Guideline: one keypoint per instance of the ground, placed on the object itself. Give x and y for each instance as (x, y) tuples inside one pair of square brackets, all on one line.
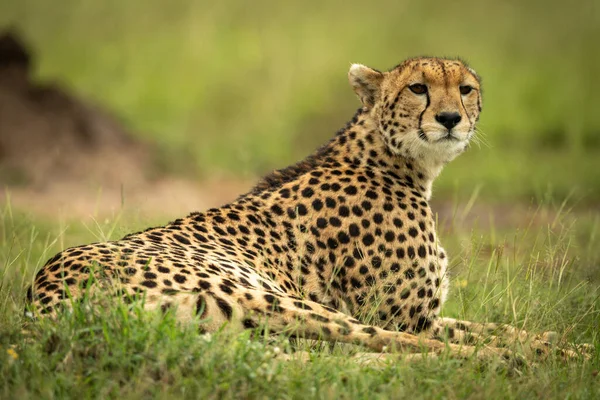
[(522, 227), (534, 267)]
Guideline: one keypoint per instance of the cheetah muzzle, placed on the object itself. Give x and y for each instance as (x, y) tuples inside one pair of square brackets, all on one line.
[(338, 247)]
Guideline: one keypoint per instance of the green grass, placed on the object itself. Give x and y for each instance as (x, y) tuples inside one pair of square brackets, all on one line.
[(540, 275), (242, 87)]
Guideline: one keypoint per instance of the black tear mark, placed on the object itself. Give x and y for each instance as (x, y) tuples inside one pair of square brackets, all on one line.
[(466, 113), (421, 133)]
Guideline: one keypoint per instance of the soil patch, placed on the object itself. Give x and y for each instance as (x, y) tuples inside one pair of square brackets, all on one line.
[(48, 136)]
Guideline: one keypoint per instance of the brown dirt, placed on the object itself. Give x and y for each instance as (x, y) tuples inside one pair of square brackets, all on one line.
[(62, 156), (48, 136), (167, 197)]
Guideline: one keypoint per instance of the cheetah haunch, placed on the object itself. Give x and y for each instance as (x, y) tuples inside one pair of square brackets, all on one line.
[(317, 246)]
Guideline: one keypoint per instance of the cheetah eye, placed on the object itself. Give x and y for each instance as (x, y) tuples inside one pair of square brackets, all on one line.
[(464, 90), (418, 88)]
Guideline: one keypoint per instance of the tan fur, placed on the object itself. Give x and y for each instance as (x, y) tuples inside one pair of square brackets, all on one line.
[(340, 247)]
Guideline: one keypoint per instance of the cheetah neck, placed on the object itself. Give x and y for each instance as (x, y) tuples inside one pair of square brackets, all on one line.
[(359, 145)]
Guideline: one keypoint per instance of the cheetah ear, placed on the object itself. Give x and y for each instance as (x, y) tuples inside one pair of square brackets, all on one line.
[(366, 83)]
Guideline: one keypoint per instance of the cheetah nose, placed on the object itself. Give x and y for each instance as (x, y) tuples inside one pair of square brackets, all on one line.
[(448, 119)]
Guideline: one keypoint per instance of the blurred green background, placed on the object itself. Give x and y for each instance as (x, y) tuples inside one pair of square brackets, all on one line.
[(242, 87)]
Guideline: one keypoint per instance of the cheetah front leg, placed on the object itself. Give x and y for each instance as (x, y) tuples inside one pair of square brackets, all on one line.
[(251, 308), (503, 335), (282, 313)]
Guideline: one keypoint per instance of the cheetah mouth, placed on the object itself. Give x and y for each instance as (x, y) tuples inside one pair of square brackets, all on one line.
[(448, 137)]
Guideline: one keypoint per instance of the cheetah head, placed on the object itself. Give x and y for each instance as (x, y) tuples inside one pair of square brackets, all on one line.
[(425, 108)]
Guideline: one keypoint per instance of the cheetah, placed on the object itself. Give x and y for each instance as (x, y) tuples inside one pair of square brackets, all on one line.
[(340, 247)]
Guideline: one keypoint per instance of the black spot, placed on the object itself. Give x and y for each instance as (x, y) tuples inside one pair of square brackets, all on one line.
[(317, 204), (224, 307), (351, 190), (302, 305), (181, 239), (371, 194), (270, 298), (302, 209), (343, 238), (389, 236), (368, 239), (226, 289), (70, 281), (376, 262), (204, 284), (319, 318), (344, 211), (307, 192), (400, 252), (355, 283), (354, 230), (356, 210), (276, 209), (370, 330), (334, 221), (30, 293), (249, 324), (349, 262), (149, 275), (423, 323)]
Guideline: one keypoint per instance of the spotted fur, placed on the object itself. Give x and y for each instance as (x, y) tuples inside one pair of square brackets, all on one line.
[(341, 246)]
